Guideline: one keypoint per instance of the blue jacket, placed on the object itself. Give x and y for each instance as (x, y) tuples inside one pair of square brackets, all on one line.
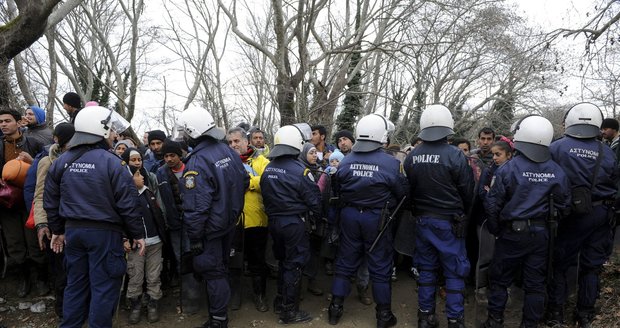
[(578, 159), (173, 214), (213, 188), (151, 163), (370, 179), (288, 188), (96, 190), (31, 178), (441, 180), (520, 190)]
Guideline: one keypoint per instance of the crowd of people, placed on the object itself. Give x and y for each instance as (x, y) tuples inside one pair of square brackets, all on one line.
[(200, 207)]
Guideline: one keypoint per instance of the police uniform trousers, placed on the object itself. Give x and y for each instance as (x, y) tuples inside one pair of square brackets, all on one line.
[(590, 236), (291, 247), (525, 251), (436, 245), (358, 230), (95, 263), (212, 266)]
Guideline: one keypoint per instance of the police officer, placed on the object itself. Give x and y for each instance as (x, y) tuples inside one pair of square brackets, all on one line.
[(90, 198), (588, 230), (518, 207), (289, 194), (214, 183), (442, 186), (379, 175)]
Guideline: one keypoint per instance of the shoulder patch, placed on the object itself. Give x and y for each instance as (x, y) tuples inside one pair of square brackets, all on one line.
[(190, 179), (308, 174), (123, 163)]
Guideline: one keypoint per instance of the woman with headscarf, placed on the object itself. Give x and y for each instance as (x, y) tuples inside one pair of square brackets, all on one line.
[(308, 156)]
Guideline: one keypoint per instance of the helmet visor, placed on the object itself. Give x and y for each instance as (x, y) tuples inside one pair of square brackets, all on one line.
[(305, 130), (178, 133), (117, 123)]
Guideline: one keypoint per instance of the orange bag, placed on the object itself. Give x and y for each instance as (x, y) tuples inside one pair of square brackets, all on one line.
[(14, 172)]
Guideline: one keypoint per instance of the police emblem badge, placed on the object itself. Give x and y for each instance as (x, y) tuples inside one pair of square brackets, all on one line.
[(190, 179)]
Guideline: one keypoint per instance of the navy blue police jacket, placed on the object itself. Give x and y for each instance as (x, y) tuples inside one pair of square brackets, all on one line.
[(288, 188), (213, 188), (370, 180), (441, 180), (520, 190), (96, 190), (578, 159)]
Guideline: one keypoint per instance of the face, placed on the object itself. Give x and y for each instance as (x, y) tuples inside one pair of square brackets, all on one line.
[(464, 147), (8, 124), (499, 155), (135, 161), (145, 138), (68, 108), (258, 140), (484, 141), (120, 149), (238, 142), (316, 137), (311, 156), (29, 117), (155, 145), (172, 160), (345, 144), (334, 163), (608, 133)]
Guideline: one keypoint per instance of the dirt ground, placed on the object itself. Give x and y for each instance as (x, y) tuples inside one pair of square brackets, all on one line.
[(355, 315)]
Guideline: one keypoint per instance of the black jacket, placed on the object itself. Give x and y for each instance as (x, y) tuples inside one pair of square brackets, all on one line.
[(29, 145)]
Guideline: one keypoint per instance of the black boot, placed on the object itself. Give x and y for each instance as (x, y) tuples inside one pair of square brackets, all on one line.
[(153, 311), (215, 322), (313, 288), (24, 284), (135, 311), (493, 321), (385, 317), (235, 290), (292, 314), (362, 294), (277, 304), (427, 319), (554, 316), (584, 319), (41, 281), (456, 323), (259, 285), (335, 310)]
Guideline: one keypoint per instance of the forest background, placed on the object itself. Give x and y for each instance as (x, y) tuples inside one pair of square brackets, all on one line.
[(276, 62)]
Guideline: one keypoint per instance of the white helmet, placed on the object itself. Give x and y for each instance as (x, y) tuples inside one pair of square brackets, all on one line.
[(371, 132), (290, 139), (583, 121), (532, 136), (195, 122), (94, 123), (436, 123)]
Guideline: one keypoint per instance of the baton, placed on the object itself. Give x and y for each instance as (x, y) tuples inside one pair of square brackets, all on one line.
[(387, 224)]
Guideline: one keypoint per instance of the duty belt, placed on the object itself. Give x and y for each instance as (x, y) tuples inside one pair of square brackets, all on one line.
[(608, 202), (435, 215), (520, 225)]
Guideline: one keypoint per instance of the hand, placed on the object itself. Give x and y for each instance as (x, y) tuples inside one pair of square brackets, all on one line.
[(141, 245), (138, 179), (24, 156), (57, 243), (126, 245), (41, 233), (197, 247)]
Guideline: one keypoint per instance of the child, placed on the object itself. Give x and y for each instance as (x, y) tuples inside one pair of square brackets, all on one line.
[(502, 152), (148, 266)]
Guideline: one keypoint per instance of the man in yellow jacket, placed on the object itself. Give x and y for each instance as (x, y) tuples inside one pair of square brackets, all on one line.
[(255, 219)]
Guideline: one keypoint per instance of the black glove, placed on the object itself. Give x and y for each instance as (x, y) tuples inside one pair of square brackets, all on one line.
[(196, 246), (459, 226)]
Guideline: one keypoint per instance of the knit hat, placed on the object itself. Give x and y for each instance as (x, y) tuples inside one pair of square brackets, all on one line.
[(337, 155), (610, 123), (344, 133), (39, 114), (64, 132), (171, 147), (72, 99), (157, 135)]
